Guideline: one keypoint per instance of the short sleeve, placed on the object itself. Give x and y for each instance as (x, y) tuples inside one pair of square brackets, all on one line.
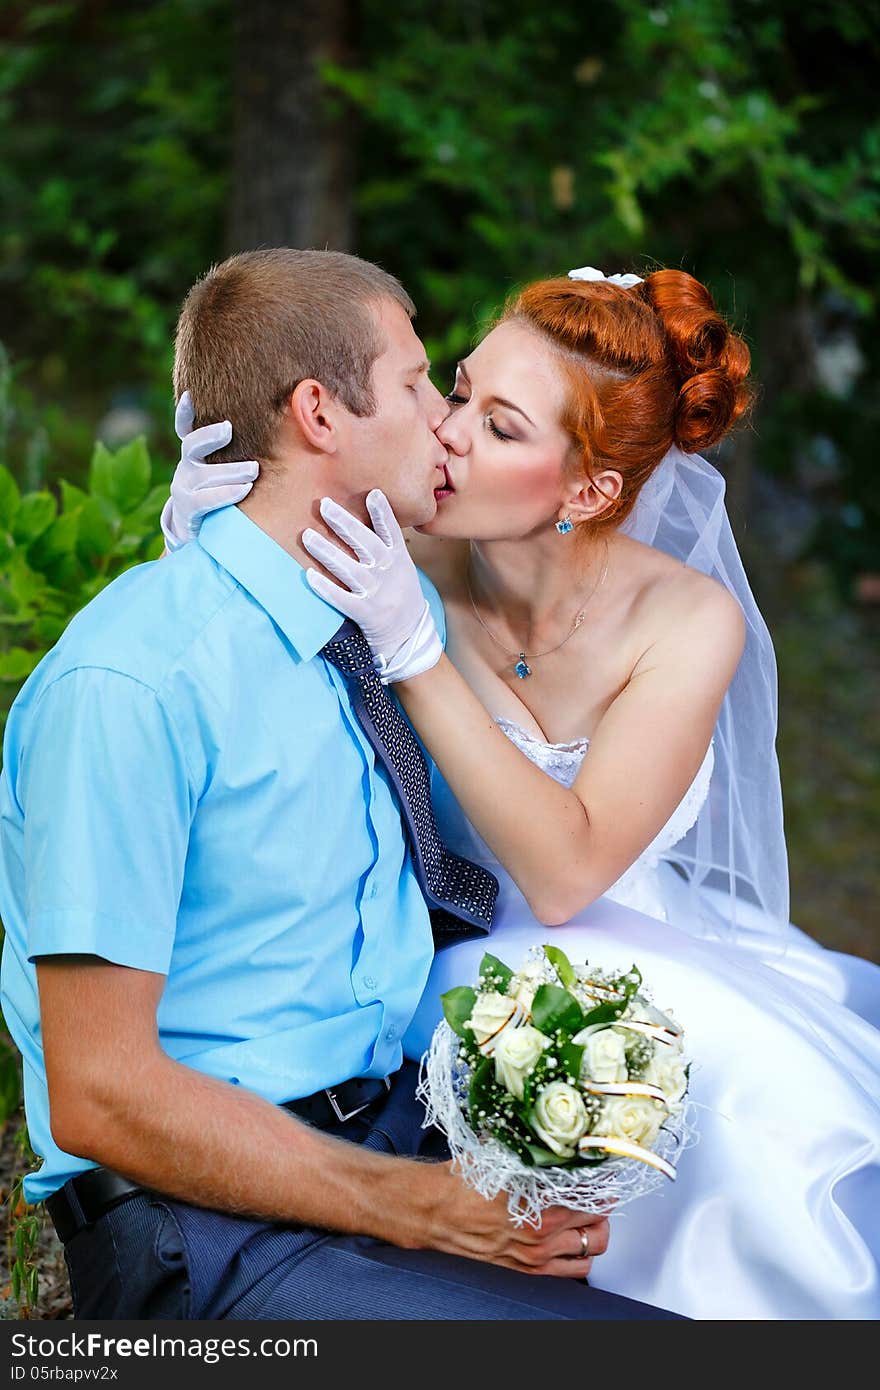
[(107, 800), (435, 603)]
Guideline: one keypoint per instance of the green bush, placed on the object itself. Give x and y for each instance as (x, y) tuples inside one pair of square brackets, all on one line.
[(57, 553)]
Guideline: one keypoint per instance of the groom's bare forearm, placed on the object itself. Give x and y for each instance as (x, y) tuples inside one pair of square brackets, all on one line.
[(215, 1145), (116, 1098)]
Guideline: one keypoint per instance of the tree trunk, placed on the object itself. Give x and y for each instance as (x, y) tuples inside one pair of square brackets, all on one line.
[(292, 156)]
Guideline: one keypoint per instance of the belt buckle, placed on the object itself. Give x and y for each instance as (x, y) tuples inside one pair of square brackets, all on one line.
[(342, 1115)]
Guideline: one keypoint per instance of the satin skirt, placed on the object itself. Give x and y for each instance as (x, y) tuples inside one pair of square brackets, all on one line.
[(775, 1213)]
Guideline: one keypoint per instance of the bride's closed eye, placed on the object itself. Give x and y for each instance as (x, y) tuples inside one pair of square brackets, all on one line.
[(454, 399)]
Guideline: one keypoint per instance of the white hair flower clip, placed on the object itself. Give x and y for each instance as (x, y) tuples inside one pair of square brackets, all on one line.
[(589, 272)]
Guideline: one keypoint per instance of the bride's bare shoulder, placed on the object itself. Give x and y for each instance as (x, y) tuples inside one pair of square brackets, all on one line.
[(441, 560), (674, 598)]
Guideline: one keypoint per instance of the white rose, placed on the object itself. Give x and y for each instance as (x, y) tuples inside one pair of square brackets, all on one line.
[(525, 983), (666, 1069), (559, 1118), (631, 1117), (605, 1056), (643, 1012), (491, 1014), (516, 1052)]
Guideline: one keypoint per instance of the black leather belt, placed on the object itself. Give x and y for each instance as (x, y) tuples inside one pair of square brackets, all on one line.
[(85, 1198), (340, 1103), (82, 1200)]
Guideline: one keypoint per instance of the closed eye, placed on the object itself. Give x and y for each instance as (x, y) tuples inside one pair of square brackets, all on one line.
[(454, 399), (499, 434)]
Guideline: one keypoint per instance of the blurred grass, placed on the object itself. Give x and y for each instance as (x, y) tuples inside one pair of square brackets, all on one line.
[(829, 754)]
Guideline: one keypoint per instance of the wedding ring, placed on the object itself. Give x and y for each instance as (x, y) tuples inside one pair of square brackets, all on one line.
[(585, 1242)]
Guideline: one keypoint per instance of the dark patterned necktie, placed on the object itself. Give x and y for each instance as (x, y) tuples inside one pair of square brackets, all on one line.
[(460, 895)]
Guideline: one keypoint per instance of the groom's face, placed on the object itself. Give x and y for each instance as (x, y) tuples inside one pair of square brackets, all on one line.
[(396, 448)]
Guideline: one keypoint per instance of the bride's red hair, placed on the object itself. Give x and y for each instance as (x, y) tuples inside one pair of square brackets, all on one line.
[(647, 367)]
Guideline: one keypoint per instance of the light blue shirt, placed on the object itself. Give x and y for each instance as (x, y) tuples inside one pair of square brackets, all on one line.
[(187, 790)]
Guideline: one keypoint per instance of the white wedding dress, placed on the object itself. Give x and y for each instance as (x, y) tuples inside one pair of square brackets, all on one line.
[(775, 1213)]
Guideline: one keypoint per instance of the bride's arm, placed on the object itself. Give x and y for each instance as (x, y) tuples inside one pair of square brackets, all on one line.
[(564, 848)]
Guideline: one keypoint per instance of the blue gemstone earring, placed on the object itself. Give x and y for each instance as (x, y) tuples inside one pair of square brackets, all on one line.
[(564, 526)]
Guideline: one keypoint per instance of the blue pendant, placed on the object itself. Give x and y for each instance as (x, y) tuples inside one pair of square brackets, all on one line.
[(522, 667)]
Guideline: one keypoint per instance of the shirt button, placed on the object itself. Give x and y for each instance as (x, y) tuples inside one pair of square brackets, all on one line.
[(373, 890), (370, 981), (391, 1034)]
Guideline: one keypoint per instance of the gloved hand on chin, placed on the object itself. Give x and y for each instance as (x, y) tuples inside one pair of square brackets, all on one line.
[(382, 594)]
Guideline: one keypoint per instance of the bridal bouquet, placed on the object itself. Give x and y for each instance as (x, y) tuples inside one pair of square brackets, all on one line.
[(559, 1084)]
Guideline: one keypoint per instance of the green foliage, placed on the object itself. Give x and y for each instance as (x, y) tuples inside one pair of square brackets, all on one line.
[(56, 554), (494, 974), (23, 1224), (10, 1080), (458, 1005), (114, 121), (505, 142), (562, 965), (554, 1008)]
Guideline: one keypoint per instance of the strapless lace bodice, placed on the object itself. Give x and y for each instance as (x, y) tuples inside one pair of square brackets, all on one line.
[(639, 886)]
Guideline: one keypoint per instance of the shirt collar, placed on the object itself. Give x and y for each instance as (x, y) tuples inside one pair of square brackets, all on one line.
[(271, 576)]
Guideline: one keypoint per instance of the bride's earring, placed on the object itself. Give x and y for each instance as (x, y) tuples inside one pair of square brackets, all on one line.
[(565, 525)]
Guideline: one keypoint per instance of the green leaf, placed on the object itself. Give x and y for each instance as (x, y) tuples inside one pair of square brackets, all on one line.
[(95, 534), (36, 513), (10, 498), (458, 1005), (101, 479), (604, 1013), (121, 479), (145, 517), (131, 465), (71, 497), (482, 1092), (545, 1158), (48, 629), (607, 1013), (495, 973), (17, 664), (56, 541), (564, 967), (25, 585), (571, 1056), (554, 1008)]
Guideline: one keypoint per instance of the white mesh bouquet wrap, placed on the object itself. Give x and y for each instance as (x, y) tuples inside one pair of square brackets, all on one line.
[(559, 1085)]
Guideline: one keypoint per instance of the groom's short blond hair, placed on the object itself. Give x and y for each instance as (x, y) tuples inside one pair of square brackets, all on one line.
[(255, 326)]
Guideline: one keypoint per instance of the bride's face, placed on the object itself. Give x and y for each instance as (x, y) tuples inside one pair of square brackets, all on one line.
[(507, 448)]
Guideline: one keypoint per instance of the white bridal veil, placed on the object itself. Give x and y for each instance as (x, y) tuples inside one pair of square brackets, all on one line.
[(734, 857)]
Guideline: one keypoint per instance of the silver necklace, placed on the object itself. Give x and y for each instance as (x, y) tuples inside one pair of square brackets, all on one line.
[(522, 667)]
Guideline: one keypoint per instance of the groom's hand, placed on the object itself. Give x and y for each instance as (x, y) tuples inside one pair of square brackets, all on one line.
[(461, 1222)]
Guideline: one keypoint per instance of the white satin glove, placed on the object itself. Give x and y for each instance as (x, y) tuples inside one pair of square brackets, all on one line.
[(198, 488), (383, 594)]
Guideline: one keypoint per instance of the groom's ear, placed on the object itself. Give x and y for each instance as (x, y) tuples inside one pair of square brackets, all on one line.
[(314, 413)]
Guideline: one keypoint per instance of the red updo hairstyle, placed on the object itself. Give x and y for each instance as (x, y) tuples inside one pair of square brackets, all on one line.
[(647, 367)]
